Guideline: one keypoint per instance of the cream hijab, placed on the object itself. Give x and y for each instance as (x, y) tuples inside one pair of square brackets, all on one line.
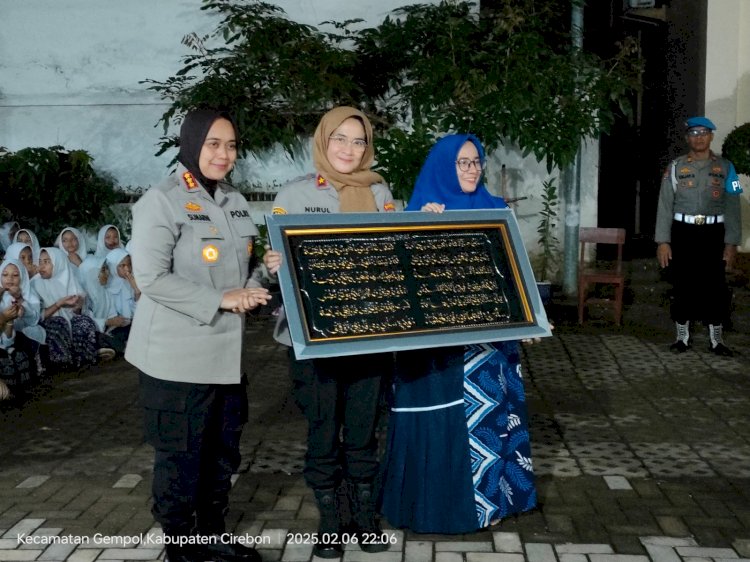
[(63, 282), (354, 189)]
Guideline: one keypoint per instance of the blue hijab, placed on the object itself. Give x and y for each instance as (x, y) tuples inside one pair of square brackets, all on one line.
[(438, 180)]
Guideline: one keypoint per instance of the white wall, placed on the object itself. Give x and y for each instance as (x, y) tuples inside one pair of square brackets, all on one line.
[(728, 79)]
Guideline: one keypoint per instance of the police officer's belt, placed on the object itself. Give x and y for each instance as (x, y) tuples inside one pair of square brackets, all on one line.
[(698, 219)]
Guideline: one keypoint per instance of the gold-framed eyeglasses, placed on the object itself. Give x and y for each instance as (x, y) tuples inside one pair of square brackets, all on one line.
[(699, 132), (342, 141)]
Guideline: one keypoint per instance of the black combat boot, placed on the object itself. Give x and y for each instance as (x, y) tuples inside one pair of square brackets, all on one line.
[(371, 538), (329, 532)]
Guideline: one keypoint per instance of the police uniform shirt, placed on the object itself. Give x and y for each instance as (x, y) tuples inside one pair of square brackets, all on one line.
[(313, 194), (698, 187), (187, 249)]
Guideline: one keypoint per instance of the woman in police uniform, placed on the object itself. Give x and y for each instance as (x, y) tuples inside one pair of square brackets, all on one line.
[(339, 396), (191, 245)]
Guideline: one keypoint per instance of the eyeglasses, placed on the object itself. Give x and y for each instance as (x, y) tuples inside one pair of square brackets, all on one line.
[(342, 142), (464, 164), (699, 132)]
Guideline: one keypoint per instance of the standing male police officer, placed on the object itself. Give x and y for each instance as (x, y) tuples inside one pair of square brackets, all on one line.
[(698, 229)]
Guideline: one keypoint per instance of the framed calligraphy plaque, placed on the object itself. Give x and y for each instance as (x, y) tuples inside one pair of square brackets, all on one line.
[(357, 283)]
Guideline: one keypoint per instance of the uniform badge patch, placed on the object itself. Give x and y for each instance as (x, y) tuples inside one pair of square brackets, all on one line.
[(685, 170), (716, 169), (193, 207), (190, 181), (210, 253), (715, 193), (389, 207), (213, 230), (278, 211), (321, 181), (250, 248)]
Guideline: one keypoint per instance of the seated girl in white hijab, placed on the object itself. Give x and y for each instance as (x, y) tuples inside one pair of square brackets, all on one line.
[(73, 243), (26, 236), (71, 335), (23, 254), (7, 233), (109, 238), (114, 329), (20, 335), (121, 284)]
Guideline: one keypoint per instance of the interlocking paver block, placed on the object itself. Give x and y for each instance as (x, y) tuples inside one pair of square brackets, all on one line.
[(617, 483), (19, 555), (617, 558), (572, 548), (702, 552), (467, 546), (57, 552), (128, 481), (34, 481), (88, 555), (507, 542), (540, 552), (418, 551), (448, 557), (494, 557), (23, 527), (297, 552), (662, 553), (129, 554), (360, 556)]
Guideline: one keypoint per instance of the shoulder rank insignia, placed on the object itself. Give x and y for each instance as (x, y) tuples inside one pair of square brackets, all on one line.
[(320, 181), (210, 253), (278, 211), (390, 207), (250, 247), (193, 207), (190, 181)]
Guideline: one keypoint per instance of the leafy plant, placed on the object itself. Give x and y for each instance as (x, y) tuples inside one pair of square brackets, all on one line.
[(46, 189), (736, 147), (548, 242)]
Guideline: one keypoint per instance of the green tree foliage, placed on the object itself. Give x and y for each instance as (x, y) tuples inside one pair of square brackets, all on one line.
[(508, 75), (47, 189), (736, 147)]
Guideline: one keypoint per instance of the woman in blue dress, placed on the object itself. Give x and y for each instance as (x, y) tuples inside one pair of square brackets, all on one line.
[(458, 456)]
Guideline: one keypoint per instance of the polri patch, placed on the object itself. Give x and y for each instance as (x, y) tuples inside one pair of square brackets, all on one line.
[(278, 211)]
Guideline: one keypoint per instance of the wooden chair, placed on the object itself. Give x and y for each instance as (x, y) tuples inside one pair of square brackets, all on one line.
[(598, 273)]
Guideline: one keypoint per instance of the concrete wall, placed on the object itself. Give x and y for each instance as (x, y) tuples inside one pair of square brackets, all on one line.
[(728, 79)]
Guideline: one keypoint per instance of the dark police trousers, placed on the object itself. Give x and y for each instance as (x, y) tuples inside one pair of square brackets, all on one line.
[(195, 429), (697, 269), (340, 398)]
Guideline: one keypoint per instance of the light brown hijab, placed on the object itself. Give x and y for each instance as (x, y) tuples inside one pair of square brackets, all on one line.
[(354, 189)]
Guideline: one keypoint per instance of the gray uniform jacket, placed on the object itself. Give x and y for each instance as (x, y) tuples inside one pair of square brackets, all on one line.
[(314, 194), (697, 187), (187, 249)]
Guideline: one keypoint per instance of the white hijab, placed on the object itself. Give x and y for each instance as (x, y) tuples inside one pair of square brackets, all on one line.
[(101, 247), (99, 304), (34, 243), (120, 290), (82, 251), (32, 307), (5, 240), (63, 282)]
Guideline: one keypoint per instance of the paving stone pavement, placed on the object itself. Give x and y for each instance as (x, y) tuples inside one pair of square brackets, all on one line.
[(640, 455)]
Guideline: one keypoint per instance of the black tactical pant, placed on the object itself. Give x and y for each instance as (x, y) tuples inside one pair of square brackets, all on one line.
[(340, 398), (195, 429), (698, 279)]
